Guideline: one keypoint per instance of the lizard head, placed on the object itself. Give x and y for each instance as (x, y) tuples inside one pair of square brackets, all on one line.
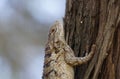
[(56, 33)]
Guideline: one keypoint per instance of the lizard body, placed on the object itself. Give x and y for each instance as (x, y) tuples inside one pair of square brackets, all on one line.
[(59, 57)]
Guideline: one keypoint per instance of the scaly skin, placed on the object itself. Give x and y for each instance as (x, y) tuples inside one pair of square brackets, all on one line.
[(59, 57)]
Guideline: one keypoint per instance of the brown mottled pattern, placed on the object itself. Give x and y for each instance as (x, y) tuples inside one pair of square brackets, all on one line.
[(59, 57)]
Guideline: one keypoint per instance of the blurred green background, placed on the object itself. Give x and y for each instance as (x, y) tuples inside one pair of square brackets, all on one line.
[(24, 26)]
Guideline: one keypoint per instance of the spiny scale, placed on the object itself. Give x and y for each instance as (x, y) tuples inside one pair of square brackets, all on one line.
[(59, 57)]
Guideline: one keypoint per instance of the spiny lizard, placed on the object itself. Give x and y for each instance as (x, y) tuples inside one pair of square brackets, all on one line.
[(59, 57)]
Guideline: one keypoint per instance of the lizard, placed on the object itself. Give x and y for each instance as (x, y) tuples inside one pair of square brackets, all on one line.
[(59, 60)]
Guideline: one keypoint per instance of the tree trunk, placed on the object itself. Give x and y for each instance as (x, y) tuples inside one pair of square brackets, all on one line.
[(94, 21)]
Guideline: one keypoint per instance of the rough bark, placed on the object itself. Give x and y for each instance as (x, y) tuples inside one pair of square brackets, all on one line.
[(95, 21)]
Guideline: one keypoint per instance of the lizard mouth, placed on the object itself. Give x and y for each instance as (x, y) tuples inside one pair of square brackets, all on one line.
[(60, 28)]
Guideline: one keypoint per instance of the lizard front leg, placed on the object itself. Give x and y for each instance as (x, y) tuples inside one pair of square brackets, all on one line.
[(72, 60)]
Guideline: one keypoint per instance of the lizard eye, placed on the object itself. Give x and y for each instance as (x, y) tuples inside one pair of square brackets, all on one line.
[(52, 30)]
